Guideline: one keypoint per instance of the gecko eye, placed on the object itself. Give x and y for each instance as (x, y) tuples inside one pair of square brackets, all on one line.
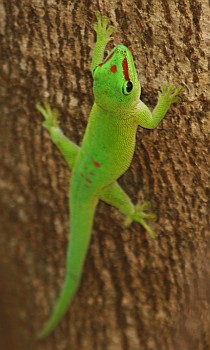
[(127, 88)]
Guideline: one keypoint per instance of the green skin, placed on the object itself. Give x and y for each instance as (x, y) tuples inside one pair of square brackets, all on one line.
[(106, 153)]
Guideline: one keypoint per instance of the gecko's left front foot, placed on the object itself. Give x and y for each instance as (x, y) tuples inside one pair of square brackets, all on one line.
[(102, 27), (140, 216)]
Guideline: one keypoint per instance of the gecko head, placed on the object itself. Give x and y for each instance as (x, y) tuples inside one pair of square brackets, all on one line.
[(116, 85)]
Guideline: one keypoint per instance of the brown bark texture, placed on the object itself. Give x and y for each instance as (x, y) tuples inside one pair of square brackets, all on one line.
[(136, 292)]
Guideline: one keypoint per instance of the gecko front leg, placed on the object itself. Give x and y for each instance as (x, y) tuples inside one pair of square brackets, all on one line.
[(103, 35), (168, 95)]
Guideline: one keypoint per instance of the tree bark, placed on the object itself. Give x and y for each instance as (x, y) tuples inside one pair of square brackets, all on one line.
[(136, 292)]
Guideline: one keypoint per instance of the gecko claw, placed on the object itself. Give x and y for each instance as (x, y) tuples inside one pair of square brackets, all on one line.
[(171, 92), (50, 115), (139, 216), (102, 27)]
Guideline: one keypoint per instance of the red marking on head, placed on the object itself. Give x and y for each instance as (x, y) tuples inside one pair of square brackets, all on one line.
[(113, 69), (97, 164), (107, 59), (125, 69)]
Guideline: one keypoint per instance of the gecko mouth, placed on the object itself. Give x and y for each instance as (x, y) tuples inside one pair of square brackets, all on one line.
[(107, 59)]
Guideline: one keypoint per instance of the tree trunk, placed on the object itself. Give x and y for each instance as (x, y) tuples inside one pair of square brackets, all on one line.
[(136, 292)]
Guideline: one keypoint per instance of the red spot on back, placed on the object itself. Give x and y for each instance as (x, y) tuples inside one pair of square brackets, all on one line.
[(125, 69), (107, 59), (96, 164), (113, 69), (88, 180), (91, 173)]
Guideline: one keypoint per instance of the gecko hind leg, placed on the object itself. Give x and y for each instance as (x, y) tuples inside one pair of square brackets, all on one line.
[(68, 149), (116, 196), (140, 215)]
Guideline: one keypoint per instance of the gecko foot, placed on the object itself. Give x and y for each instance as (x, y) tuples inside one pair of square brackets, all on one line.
[(50, 115), (171, 92), (140, 216), (102, 27)]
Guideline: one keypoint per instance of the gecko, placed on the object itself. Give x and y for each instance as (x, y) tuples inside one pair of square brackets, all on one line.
[(105, 154)]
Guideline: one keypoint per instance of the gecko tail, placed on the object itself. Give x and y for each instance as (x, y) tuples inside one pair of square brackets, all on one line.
[(80, 228)]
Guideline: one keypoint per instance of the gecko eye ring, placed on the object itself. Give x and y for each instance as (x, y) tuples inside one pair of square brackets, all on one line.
[(127, 87)]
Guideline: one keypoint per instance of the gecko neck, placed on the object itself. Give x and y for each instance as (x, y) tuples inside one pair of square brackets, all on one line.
[(122, 117)]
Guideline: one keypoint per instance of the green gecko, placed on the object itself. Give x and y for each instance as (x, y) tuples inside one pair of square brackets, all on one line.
[(105, 154)]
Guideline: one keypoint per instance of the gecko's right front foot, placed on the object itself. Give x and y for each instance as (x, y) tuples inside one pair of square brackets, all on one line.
[(171, 92), (50, 115)]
